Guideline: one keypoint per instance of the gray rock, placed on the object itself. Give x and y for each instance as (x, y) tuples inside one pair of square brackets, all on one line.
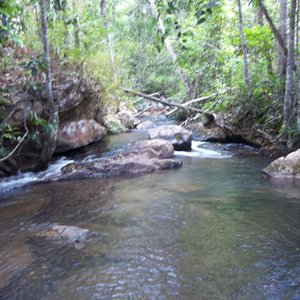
[(179, 137), (162, 147), (127, 119), (287, 167), (146, 125), (70, 234), (140, 159), (213, 134), (73, 135)]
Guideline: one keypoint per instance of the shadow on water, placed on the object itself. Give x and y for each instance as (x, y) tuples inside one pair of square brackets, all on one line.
[(214, 229)]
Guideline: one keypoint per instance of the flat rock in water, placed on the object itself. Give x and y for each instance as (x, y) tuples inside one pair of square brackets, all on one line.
[(287, 167), (143, 157), (179, 137)]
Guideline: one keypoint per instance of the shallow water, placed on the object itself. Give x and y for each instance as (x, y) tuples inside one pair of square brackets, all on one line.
[(214, 229)]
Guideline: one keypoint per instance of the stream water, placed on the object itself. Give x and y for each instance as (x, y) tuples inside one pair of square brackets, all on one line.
[(213, 229)]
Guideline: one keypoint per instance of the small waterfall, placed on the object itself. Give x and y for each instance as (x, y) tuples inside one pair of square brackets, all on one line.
[(198, 151), (52, 172)]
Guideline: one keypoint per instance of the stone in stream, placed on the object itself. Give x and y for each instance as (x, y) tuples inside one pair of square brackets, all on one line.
[(127, 119), (70, 234), (162, 147), (146, 125), (140, 158), (179, 137), (287, 167), (73, 135)]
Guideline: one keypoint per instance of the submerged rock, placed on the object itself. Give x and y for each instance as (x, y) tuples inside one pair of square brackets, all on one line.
[(73, 135), (179, 137), (141, 158), (15, 257), (70, 234), (287, 167)]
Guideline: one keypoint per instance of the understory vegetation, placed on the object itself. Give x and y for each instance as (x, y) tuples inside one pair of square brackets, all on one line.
[(241, 57)]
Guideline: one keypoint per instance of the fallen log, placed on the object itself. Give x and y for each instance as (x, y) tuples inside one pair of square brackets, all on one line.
[(144, 110), (210, 116), (197, 100)]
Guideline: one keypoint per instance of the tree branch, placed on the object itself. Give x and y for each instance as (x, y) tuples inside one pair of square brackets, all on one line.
[(273, 28), (206, 113), (15, 149), (202, 99)]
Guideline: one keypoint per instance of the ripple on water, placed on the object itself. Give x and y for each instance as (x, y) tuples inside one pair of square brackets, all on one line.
[(211, 230)]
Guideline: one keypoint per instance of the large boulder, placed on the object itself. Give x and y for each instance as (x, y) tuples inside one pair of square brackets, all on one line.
[(135, 161), (179, 137), (146, 125), (162, 147), (73, 135), (127, 119), (214, 134), (287, 167)]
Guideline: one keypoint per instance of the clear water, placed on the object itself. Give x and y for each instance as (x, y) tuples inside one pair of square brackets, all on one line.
[(214, 229)]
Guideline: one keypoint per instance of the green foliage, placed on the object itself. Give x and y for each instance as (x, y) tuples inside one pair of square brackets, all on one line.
[(125, 48), (114, 126), (34, 66), (9, 133), (9, 10)]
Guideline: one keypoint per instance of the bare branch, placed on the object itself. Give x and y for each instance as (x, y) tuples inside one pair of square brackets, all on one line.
[(15, 149), (206, 113)]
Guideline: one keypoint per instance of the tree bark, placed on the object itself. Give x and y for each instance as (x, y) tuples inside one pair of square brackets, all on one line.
[(245, 50), (260, 16), (282, 58), (169, 47), (50, 135), (260, 21), (288, 96), (298, 68)]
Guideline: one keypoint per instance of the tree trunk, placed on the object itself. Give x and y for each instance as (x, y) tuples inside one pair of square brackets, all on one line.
[(260, 16), (282, 59), (245, 50), (50, 135), (273, 28), (109, 37), (169, 47), (298, 68), (76, 28), (260, 21), (288, 96)]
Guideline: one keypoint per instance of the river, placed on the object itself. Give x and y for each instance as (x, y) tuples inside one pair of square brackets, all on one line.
[(213, 229)]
